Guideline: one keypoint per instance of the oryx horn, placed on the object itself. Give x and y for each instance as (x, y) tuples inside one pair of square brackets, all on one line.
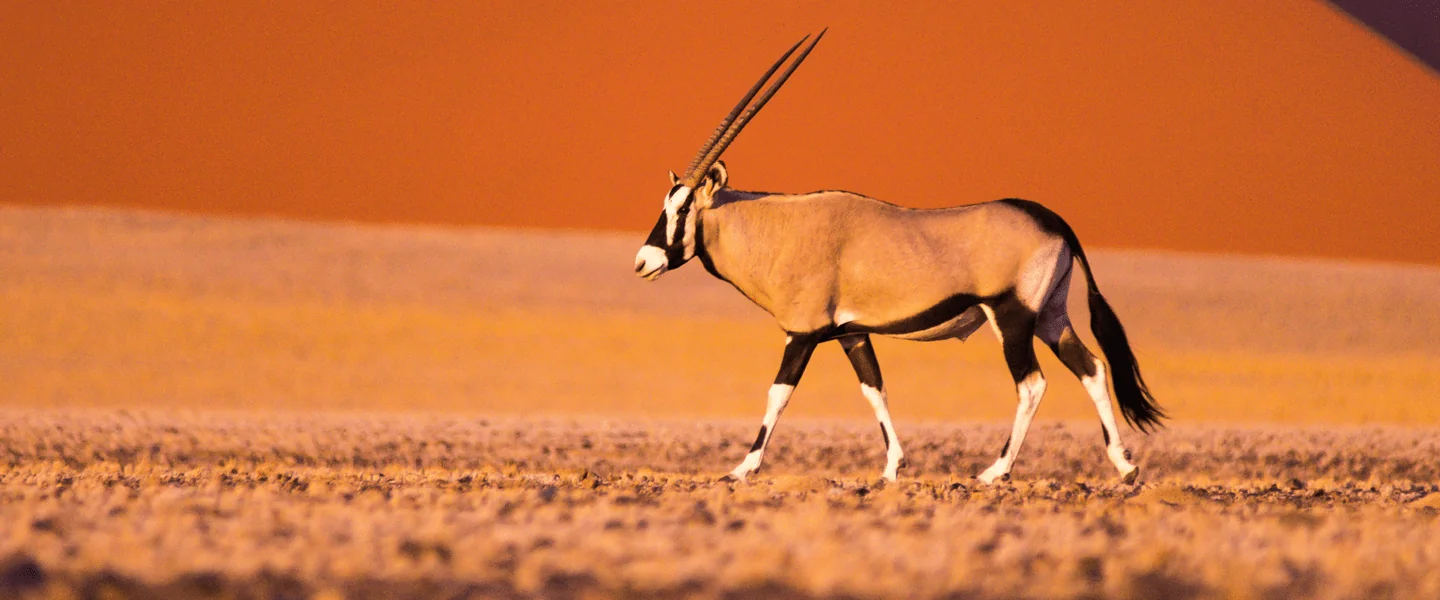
[(731, 126)]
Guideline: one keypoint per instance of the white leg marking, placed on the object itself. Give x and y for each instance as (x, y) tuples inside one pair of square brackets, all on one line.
[(990, 317), (779, 397), (1096, 386), (893, 453), (1031, 390)]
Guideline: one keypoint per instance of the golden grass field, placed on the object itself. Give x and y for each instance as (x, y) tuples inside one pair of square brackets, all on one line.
[(205, 407)]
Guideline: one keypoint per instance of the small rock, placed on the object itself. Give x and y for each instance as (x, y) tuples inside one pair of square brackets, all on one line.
[(701, 514), (1430, 501), (19, 574), (1168, 495)]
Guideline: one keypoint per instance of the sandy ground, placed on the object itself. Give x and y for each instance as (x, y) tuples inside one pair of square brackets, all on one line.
[(325, 505), (211, 407)]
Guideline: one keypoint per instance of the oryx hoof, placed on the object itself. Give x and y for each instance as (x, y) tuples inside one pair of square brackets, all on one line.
[(1130, 477), (739, 476), (992, 479)]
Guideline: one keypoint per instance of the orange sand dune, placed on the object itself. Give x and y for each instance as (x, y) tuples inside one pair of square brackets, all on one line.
[(1278, 127)]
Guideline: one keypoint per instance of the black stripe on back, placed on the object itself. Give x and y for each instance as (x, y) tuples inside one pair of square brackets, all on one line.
[(726, 195)]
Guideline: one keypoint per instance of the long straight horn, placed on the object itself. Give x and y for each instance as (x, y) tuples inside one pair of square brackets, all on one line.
[(731, 126), (730, 118)]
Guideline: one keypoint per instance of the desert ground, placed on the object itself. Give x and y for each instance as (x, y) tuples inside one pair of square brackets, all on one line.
[(211, 407)]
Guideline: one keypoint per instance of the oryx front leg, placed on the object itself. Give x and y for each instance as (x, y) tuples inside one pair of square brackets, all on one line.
[(792, 365), (1015, 326), (872, 385)]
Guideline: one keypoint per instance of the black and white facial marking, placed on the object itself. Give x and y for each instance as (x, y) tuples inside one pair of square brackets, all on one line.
[(672, 242)]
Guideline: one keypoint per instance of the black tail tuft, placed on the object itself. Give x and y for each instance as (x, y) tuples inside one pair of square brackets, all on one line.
[(1131, 393)]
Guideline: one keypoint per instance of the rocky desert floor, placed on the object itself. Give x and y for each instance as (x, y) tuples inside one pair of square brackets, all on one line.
[(206, 407), (238, 505)]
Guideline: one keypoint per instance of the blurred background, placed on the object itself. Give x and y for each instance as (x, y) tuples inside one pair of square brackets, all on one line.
[(435, 206), (1284, 127)]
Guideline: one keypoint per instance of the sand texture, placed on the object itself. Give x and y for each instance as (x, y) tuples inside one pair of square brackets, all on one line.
[(224, 505)]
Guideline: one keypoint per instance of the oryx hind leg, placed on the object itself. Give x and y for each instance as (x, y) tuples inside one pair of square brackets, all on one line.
[(1015, 325), (798, 348), (872, 385), (1055, 330)]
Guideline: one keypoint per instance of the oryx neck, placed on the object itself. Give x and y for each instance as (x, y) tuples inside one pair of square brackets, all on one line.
[(738, 239)]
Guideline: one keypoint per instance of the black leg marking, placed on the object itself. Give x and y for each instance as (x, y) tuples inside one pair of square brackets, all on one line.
[(862, 358), (1105, 432), (1017, 326), (1073, 354), (797, 356), (1020, 357), (759, 440), (1006, 449), (886, 436)]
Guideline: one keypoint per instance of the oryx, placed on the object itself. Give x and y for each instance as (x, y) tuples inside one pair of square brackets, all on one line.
[(840, 266)]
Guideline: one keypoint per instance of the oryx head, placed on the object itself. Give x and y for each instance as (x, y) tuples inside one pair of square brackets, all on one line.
[(672, 241)]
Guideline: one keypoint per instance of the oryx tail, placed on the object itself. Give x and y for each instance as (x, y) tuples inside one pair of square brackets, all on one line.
[(1131, 393)]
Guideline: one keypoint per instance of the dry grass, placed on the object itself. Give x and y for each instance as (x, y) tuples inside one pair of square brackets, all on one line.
[(294, 505)]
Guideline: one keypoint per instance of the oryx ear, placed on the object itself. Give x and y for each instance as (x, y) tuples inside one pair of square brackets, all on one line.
[(715, 179), (674, 179), (718, 174)]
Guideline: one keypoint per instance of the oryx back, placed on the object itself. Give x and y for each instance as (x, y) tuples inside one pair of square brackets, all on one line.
[(866, 266)]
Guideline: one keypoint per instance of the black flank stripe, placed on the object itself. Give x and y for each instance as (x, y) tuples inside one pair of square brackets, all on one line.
[(945, 310)]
